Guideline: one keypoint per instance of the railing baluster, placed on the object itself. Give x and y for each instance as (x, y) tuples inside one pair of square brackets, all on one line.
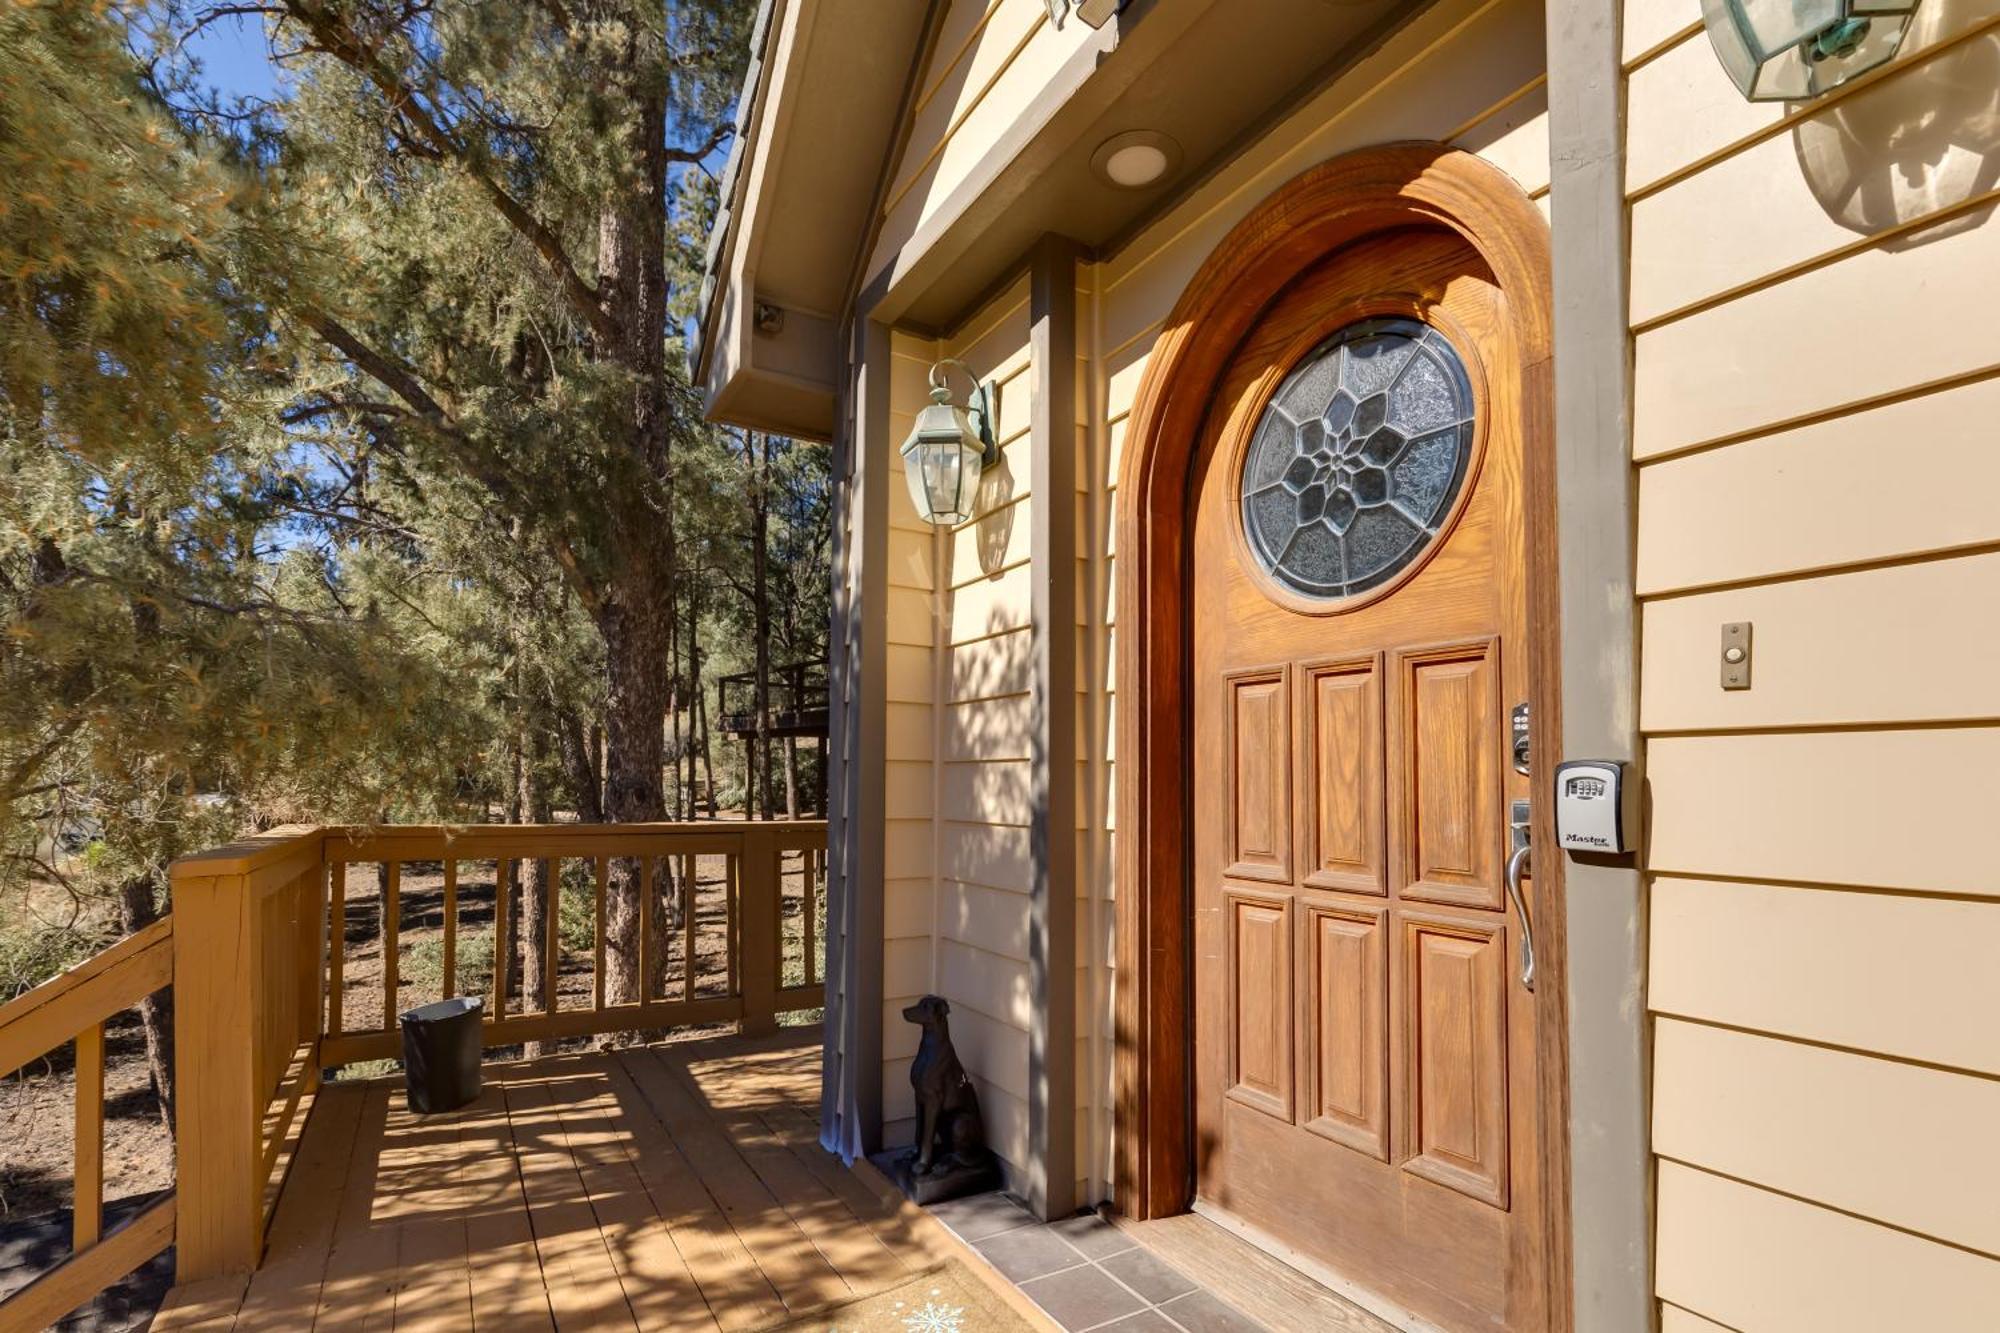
[(336, 946), (809, 967), (88, 1212), (500, 938), (645, 930), (689, 898), (731, 936), (392, 912), (597, 907), (449, 985), (551, 922)]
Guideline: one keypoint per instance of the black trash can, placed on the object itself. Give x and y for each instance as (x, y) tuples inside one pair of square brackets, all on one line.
[(441, 1054)]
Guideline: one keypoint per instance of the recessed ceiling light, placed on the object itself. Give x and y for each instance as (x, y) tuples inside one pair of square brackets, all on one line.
[(1135, 159)]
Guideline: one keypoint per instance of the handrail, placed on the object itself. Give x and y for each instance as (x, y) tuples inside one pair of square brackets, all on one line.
[(752, 876), (74, 1007), (37, 1021)]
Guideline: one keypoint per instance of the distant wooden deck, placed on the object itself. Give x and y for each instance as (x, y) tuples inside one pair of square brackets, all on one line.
[(671, 1187)]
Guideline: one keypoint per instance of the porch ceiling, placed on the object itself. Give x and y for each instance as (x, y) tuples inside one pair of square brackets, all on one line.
[(1210, 74), (823, 111)]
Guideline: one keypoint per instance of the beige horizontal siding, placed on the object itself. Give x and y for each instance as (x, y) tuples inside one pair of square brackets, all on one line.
[(1894, 974), (1814, 381), (1753, 1259), (1905, 809), (1927, 654), (1907, 1145), (1822, 496), (1649, 24), (991, 62), (1809, 345), (1683, 111), (1673, 1319)]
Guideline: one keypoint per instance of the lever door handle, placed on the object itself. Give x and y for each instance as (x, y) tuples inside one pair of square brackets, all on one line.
[(1516, 864)]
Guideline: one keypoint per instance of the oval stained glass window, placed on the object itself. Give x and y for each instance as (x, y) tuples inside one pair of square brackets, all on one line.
[(1356, 462)]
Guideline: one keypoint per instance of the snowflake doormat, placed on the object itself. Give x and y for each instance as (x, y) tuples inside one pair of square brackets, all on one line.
[(950, 1298)]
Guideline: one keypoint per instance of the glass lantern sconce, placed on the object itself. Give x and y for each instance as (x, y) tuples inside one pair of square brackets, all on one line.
[(1791, 50), (1092, 12), (950, 449)]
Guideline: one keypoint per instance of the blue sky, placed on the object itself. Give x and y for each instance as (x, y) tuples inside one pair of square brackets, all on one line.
[(235, 59)]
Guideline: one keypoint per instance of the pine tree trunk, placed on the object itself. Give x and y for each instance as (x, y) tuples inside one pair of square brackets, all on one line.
[(634, 615), (707, 758), (138, 907), (537, 884), (688, 750), (672, 784), (792, 776), (760, 561), (579, 755)]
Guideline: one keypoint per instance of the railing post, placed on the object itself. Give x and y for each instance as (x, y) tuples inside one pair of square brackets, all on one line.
[(218, 1154), (761, 886)]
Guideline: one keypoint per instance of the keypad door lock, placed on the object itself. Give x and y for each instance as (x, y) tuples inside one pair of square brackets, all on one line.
[(1518, 719)]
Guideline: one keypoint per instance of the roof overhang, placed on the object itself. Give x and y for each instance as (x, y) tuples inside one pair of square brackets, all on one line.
[(797, 246), (815, 123)]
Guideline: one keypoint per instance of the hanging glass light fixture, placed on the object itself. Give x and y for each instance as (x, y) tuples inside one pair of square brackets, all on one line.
[(1790, 50), (949, 449)]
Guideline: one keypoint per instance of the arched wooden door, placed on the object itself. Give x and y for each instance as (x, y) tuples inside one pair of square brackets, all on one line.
[(1370, 1057)]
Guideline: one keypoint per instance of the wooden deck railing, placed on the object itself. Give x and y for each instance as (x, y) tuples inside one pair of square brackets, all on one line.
[(270, 952), (74, 1007)]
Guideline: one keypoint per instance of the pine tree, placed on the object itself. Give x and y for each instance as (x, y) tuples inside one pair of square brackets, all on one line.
[(487, 188)]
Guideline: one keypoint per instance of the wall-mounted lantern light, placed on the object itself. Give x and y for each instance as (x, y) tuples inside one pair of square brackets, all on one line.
[(1789, 50), (949, 449), (1092, 12)]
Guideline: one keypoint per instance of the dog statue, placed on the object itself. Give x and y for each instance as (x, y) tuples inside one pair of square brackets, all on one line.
[(949, 1129)]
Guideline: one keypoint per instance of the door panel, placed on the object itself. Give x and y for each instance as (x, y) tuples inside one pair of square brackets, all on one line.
[(1343, 765), (1450, 740), (1364, 1056), (1347, 1026), (1260, 1002), (1456, 1023), (1260, 788)]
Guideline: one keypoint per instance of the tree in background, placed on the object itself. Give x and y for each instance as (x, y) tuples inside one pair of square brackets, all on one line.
[(169, 666), (348, 471), (482, 196)]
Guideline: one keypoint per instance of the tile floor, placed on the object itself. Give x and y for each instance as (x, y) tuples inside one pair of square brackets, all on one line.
[(1085, 1273)]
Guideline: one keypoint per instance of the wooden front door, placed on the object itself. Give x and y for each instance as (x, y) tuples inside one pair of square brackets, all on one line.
[(1365, 1060)]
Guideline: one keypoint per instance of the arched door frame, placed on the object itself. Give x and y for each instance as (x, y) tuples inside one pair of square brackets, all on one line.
[(1316, 213)]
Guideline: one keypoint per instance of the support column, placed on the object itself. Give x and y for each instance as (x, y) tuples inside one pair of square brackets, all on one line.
[(1053, 754), (1610, 1212), (851, 1078), (218, 1150)]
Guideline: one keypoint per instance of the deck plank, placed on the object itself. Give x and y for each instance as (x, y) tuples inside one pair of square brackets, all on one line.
[(584, 1290), (359, 1289), (678, 1187), (658, 1284), (284, 1294), (890, 1218), (847, 1245), (508, 1295), (423, 1199), (737, 1292), (802, 1276)]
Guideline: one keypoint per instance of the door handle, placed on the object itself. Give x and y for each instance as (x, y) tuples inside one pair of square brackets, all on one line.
[(1517, 863)]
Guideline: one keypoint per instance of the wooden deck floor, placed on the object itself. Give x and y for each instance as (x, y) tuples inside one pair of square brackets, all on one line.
[(667, 1187)]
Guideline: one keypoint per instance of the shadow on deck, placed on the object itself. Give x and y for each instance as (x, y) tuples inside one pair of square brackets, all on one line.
[(673, 1186)]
